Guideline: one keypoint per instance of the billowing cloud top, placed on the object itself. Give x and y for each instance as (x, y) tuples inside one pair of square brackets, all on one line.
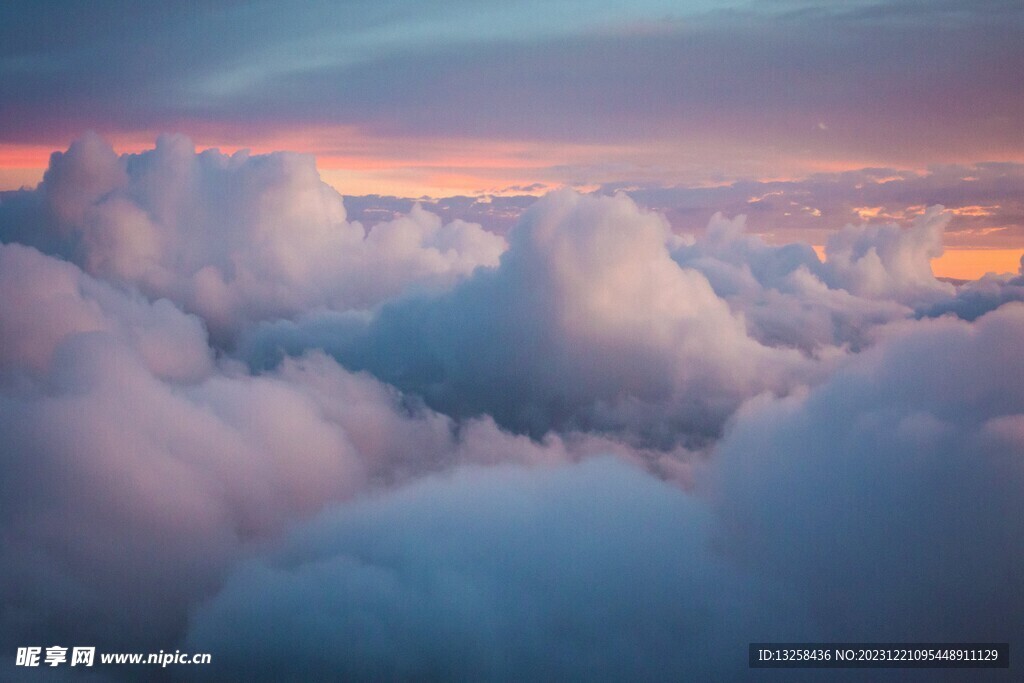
[(238, 238)]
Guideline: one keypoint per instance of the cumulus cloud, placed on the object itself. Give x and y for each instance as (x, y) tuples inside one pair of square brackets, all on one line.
[(125, 497), (885, 262), (786, 294), (599, 317), (889, 262), (236, 238), (587, 323), (46, 301), (123, 494)]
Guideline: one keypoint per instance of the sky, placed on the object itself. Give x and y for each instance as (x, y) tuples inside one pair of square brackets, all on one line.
[(442, 99), (508, 341)]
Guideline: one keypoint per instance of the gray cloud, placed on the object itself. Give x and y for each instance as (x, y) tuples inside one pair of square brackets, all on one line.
[(599, 318), (790, 298), (840, 514), (895, 482), (596, 571), (976, 298), (136, 468)]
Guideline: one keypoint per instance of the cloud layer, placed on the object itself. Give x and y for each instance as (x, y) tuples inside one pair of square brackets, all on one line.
[(136, 469), (237, 422), (896, 481), (838, 515), (982, 201), (595, 571)]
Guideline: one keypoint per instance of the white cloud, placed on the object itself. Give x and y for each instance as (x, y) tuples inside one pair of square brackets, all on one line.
[(786, 294), (45, 302), (136, 469), (241, 238), (889, 262)]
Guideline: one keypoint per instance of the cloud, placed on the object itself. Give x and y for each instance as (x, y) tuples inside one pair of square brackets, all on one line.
[(594, 571), (896, 481), (498, 214), (983, 202), (789, 298), (137, 468), (974, 299), (836, 515), (887, 262), (587, 323), (235, 239), (45, 301), (125, 495), (600, 318)]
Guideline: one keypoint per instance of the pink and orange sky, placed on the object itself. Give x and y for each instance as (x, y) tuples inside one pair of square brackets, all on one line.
[(411, 99)]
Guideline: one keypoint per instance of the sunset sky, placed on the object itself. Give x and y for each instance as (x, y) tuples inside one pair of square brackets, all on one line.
[(480, 340), (440, 99)]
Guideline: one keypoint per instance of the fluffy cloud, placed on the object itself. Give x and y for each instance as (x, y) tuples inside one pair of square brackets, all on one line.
[(236, 238), (883, 505), (136, 469), (892, 493), (45, 301), (587, 323), (600, 318), (974, 299), (596, 571), (124, 494), (889, 262), (788, 296)]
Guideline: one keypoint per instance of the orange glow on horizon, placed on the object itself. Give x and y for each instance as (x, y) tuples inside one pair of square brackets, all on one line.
[(356, 163), (968, 264)]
